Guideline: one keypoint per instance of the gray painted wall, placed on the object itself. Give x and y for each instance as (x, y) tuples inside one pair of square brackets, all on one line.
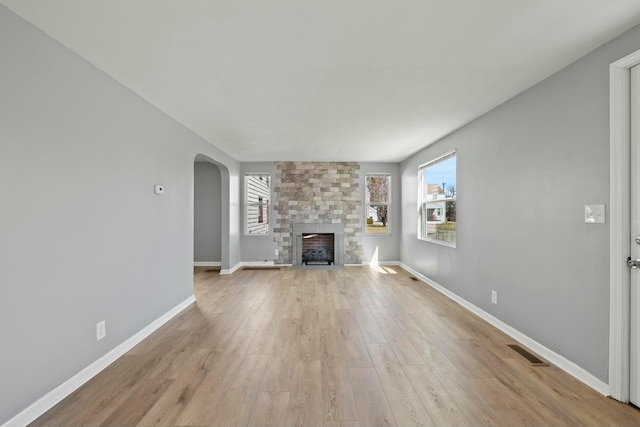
[(388, 245), (525, 172), (207, 208), (82, 236)]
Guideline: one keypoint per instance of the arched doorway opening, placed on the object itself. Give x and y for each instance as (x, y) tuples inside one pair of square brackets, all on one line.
[(211, 207), (207, 213)]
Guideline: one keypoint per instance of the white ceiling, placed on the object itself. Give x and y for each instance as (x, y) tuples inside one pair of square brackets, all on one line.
[(366, 80)]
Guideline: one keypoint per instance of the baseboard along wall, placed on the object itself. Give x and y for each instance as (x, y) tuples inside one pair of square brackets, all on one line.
[(207, 264), (561, 362), (239, 265), (56, 395)]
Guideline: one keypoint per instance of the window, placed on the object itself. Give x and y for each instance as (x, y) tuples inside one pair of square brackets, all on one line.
[(437, 200), (257, 191), (377, 202)]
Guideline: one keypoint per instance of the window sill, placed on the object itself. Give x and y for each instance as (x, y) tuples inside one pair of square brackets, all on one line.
[(439, 242)]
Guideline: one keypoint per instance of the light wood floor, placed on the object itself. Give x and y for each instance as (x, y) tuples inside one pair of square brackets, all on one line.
[(353, 347)]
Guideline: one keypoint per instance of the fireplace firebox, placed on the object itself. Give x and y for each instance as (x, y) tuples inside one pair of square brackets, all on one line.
[(318, 246)]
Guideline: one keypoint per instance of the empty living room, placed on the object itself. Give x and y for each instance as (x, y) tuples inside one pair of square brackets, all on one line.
[(320, 213)]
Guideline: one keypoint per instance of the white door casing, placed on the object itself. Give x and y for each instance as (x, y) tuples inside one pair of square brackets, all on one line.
[(634, 249), (620, 226)]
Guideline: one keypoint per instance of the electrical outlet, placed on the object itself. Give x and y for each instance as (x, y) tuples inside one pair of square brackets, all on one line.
[(276, 252), (101, 330), (494, 297)]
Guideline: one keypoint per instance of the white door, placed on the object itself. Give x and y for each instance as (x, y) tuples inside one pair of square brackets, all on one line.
[(635, 237)]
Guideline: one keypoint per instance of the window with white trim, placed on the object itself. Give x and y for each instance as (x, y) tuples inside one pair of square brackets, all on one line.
[(257, 193), (377, 203), (437, 200)]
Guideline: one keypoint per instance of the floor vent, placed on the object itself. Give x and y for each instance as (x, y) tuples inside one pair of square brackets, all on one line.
[(527, 355), (415, 279), (261, 268), (214, 270)]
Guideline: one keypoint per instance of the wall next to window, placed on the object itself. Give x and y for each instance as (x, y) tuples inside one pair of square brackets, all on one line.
[(525, 172), (262, 248)]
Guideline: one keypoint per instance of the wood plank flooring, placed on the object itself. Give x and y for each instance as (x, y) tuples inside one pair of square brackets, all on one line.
[(354, 347)]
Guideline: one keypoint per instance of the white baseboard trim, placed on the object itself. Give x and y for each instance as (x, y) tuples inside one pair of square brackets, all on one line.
[(231, 270), (239, 265), (207, 264), (273, 264), (52, 398), (258, 264), (383, 263), (550, 355)]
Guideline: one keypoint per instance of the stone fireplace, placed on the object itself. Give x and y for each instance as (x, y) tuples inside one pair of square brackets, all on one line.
[(318, 245), (318, 195)]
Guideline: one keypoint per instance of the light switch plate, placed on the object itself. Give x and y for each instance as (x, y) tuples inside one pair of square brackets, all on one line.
[(594, 214)]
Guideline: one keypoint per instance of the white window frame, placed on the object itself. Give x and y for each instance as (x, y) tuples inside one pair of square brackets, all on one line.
[(262, 200), (367, 204), (422, 201)]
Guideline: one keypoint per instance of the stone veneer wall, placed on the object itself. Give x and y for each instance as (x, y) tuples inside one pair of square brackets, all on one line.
[(318, 193)]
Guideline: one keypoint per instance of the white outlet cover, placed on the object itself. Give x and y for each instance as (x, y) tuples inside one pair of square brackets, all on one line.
[(101, 330), (594, 214)]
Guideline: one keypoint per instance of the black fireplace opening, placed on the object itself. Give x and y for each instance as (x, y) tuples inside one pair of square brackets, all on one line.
[(318, 248)]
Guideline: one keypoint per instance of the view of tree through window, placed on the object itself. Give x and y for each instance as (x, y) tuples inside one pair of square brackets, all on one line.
[(438, 197), (377, 199)]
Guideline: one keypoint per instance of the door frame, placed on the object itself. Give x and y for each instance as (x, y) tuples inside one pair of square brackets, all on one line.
[(620, 220)]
